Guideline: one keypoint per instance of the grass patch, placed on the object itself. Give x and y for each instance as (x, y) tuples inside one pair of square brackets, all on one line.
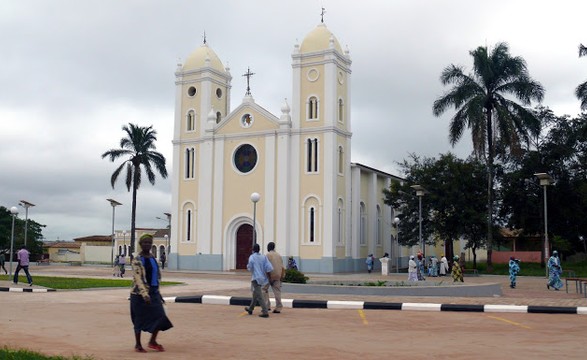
[(71, 283), (23, 354), (531, 269)]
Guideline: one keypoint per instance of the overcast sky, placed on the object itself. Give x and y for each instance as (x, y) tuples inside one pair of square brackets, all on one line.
[(73, 72)]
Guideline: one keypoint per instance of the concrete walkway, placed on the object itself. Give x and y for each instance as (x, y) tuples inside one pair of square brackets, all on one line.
[(531, 291)]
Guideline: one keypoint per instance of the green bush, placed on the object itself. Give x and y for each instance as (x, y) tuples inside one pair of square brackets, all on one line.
[(295, 276)]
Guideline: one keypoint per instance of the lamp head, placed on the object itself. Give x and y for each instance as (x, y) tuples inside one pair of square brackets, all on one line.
[(14, 210), (255, 197)]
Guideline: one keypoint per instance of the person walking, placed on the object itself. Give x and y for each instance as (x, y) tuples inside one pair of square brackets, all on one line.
[(412, 269), (163, 259), (23, 256), (434, 265), (146, 303), (514, 267), (420, 268), (260, 269), (275, 278), (443, 265), (2, 262), (370, 260), (457, 271), (554, 272), (122, 264), (116, 269)]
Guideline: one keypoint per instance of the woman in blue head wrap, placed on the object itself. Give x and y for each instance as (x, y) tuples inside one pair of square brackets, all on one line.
[(554, 272), (514, 270)]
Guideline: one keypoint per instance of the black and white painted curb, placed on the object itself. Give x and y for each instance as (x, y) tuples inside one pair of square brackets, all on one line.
[(367, 305), (17, 289)]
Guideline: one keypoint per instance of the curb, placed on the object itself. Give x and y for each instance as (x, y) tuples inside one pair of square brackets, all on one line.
[(30, 290), (367, 305)]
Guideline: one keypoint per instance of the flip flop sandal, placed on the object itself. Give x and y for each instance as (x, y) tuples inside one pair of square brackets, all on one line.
[(157, 347)]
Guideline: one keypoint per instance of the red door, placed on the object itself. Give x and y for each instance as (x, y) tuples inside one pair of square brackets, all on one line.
[(244, 245)]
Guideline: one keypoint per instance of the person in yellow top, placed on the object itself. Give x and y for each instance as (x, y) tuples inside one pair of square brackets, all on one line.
[(275, 278), (146, 303), (457, 272)]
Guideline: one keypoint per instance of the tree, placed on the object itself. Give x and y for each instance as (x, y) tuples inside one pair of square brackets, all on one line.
[(581, 90), (450, 209), (34, 235), (139, 146), (482, 102)]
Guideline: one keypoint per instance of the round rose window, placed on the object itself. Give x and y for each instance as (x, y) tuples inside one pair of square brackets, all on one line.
[(245, 158)]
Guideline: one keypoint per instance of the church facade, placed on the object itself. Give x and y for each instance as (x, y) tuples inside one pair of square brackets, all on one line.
[(314, 203)]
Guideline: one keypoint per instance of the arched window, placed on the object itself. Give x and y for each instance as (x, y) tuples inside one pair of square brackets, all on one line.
[(362, 225), (188, 227), (191, 121), (313, 108), (312, 224), (218, 117), (190, 163), (340, 161), (312, 152), (340, 110), (312, 221)]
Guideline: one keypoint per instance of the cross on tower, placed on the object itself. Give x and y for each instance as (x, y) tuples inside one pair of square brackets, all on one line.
[(204, 37), (248, 74), (322, 15)]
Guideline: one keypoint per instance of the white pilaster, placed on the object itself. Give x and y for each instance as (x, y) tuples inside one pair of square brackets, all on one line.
[(205, 201), (218, 179), (269, 191), (355, 212)]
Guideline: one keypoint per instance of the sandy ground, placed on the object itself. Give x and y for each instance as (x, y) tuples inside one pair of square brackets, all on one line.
[(96, 323)]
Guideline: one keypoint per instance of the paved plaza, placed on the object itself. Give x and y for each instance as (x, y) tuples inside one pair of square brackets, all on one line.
[(97, 322)]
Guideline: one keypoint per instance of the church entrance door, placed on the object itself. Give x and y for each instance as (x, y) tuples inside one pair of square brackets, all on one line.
[(244, 245)]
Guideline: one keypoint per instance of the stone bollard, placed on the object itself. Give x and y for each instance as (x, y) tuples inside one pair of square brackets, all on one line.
[(384, 266)]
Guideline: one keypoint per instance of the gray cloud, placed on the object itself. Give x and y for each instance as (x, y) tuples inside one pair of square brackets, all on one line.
[(74, 72)]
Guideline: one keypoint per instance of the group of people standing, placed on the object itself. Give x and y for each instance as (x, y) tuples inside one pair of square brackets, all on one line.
[(417, 267)]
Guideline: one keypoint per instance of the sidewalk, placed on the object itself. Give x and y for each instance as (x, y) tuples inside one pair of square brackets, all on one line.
[(531, 291)]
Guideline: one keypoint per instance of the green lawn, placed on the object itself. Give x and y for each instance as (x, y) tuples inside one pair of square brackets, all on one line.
[(54, 282), (22, 354), (530, 269)]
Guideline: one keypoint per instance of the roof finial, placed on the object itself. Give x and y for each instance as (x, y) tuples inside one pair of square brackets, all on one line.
[(204, 37), (248, 74), (322, 15)]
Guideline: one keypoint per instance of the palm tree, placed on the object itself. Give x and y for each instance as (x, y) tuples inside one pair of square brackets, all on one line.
[(581, 90), (483, 104), (138, 144)]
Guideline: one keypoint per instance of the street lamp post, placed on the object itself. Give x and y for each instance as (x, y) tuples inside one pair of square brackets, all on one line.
[(420, 191), (545, 180), (396, 223), (14, 211), (124, 242), (26, 205), (167, 237), (167, 243), (114, 204), (255, 197)]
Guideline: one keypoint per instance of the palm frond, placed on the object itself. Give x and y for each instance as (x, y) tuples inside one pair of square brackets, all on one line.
[(581, 93), (116, 173)]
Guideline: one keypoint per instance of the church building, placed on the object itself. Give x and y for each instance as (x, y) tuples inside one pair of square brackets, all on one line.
[(313, 202)]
